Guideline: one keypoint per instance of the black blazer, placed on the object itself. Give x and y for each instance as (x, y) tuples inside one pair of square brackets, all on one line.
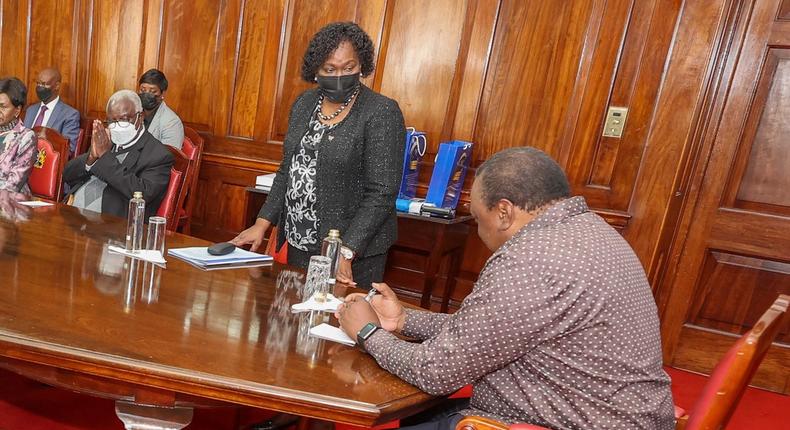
[(146, 168), (358, 172)]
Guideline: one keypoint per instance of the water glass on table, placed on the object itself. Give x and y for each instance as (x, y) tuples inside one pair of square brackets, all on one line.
[(157, 229), (318, 274)]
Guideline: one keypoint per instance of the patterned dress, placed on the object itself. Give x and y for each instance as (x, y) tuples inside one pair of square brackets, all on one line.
[(17, 156), (301, 220)]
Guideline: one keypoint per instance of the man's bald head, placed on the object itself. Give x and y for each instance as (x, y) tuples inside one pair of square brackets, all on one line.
[(48, 84), (50, 74)]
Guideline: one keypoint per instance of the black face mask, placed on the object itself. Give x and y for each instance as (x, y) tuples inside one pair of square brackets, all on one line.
[(338, 89), (44, 94), (150, 101)]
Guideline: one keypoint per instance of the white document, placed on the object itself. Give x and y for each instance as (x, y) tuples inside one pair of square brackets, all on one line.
[(200, 256), (36, 203), (311, 304), (265, 181), (328, 332), (151, 255)]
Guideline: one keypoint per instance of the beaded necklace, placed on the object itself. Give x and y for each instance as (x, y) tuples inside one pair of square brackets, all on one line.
[(334, 115)]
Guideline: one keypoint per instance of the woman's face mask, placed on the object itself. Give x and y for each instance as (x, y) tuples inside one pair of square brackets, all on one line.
[(338, 89), (150, 101)]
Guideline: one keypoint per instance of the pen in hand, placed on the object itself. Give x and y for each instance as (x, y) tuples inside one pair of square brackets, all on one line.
[(370, 294)]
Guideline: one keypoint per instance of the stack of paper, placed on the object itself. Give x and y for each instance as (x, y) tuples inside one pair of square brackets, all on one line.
[(264, 182), (199, 256), (152, 255), (328, 332)]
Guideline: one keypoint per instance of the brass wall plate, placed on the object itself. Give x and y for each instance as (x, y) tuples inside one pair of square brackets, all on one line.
[(615, 121)]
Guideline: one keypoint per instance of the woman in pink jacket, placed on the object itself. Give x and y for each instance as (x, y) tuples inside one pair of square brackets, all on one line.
[(17, 143)]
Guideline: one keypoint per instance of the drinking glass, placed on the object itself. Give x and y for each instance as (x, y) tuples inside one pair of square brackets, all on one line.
[(318, 273), (157, 228)]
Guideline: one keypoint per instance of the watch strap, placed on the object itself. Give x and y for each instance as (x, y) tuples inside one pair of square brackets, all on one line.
[(365, 333)]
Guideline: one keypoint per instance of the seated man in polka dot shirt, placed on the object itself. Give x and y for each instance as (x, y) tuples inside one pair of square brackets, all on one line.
[(561, 328)]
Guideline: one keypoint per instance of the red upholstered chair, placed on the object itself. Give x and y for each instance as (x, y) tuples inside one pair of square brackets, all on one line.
[(725, 386), (193, 149), (280, 256), (46, 177), (731, 376), (176, 189)]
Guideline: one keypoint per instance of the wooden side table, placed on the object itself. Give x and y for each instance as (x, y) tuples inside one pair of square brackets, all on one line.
[(430, 237)]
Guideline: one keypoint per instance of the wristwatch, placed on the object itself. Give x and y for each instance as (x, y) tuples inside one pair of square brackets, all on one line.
[(365, 333), (346, 253)]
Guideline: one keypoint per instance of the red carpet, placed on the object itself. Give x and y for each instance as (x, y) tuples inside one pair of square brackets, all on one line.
[(28, 405)]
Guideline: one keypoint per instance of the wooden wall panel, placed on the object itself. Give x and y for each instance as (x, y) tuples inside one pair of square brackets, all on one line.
[(255, 66), (534, 62), (215, 217), (475, 66), (424, 100), (190, 58), (114, 54), (14, 38), (51, 44)]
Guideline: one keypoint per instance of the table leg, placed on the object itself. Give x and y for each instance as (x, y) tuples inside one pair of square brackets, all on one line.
[(431, 267), (452, 271), (142, 417)]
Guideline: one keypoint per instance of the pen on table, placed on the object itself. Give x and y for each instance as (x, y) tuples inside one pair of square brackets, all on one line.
[(370, 294)]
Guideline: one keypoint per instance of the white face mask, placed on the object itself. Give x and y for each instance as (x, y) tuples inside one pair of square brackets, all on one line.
[(122, 132)]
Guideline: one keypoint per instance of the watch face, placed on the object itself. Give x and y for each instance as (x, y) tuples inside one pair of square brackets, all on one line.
[(368, 330), (346, 253)]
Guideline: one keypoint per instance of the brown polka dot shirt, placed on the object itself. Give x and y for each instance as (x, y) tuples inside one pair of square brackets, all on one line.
[(560, 330)]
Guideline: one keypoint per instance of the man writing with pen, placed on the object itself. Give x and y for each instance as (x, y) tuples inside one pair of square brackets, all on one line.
[(560, 330)]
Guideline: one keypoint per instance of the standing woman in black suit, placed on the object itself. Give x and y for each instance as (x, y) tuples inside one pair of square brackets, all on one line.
[(342, 162)]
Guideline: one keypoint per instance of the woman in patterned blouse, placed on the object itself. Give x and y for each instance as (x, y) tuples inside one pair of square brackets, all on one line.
[(342, 162), (17, 143)]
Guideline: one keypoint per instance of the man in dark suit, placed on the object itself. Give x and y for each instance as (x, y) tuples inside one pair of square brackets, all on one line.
[(51, 111), (122, 159)]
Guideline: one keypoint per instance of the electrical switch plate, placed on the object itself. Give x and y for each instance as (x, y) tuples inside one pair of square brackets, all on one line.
[(615, 121)]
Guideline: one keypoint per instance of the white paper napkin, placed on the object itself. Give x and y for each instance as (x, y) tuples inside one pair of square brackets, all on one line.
[(151, 255), (330, 305), (328, 332)]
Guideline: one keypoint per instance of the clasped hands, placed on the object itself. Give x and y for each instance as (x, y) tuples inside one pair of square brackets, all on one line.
[(100, 142), (384, 310)]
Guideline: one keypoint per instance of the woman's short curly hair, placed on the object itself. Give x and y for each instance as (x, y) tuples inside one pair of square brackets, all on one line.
[(328, 39)]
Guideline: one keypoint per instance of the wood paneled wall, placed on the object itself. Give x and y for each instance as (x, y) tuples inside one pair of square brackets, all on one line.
[(499, 73)]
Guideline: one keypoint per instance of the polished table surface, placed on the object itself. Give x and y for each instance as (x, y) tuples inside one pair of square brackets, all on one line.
[(75, 315)]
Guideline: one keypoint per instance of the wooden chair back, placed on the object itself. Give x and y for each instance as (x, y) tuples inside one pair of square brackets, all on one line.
[(176, 188), (193, 149), (46, 177), (84, 137), (480, 423)]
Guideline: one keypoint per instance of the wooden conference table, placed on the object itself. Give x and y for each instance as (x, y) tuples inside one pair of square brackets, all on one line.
[(163, 341)]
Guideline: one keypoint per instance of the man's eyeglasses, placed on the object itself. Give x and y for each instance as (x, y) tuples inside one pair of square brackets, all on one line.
[(122, 122)]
